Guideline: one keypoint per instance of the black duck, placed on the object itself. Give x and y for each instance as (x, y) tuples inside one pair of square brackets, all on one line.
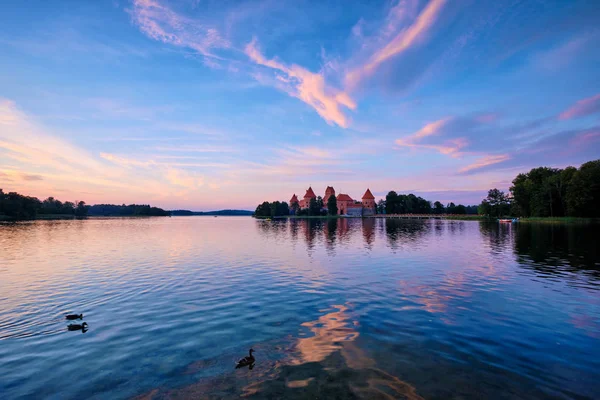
[(246, 361)]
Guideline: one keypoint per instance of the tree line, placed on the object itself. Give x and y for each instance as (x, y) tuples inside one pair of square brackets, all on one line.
[(131, 210), (274, 209), (395, 203), (18, 206), (549, 192)]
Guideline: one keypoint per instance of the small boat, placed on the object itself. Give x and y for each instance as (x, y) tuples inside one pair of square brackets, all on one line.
[(505, 220)]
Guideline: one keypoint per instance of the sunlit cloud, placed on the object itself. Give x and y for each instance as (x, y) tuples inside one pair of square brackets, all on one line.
[(161, 23), (307, 86), (404, 40), (431, 128), (582, 108), (484, 162), (447, 146)]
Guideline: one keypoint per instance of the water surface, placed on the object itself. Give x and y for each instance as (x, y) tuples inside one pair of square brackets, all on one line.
[(345, 308)]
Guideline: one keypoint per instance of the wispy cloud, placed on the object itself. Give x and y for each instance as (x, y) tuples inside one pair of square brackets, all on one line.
[(162, 23), (401, 42), (308, 86), (447, 146), (582, 108), (484, 162)]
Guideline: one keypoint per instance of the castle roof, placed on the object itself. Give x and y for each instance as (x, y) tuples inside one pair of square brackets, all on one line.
[(294, 199), (368, 195), (344, 197), (310, 193)]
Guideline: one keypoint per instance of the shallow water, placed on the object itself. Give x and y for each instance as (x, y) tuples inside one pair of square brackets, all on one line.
[(345, 308)]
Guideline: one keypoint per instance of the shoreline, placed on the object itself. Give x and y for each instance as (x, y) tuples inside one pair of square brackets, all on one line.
[(556, 220)]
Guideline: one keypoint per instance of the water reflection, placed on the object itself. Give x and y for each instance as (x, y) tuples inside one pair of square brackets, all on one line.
[(555, 248), (345, 308), (327, 364)]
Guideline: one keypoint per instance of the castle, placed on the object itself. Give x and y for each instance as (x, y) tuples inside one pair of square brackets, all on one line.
[(345, 204)]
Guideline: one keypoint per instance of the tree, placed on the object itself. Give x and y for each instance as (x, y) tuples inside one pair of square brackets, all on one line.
[(381, 204), (295, 208), (484, 208), (583, 197), (451, 208), (313, 207), (391, 203), (498, 202), (82, 209), (263, 210), (460, 209), (438, 208), (320, 203), (332, 208)]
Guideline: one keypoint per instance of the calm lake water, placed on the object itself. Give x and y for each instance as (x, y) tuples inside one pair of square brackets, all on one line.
[(345, 308)]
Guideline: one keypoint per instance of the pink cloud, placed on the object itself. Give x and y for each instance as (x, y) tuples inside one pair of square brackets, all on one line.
[(582, 108), (485, 161), (400, 43), (307, 86), (431, 128), (163, 24), (451, 147)]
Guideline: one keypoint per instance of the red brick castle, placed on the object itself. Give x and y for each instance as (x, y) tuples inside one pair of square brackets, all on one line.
[(345, 204)]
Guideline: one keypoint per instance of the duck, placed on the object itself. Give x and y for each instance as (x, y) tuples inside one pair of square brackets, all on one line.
[(78, 327), (246, 361), (74, 316)]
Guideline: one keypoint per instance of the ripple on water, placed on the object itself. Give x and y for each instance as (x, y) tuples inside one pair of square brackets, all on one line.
[(362, 308)]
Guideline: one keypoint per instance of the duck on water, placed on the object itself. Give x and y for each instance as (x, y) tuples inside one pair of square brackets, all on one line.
[(71, 317), (246, 361), (78, 327)]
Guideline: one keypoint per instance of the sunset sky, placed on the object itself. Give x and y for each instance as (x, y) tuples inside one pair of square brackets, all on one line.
[(213, 104)]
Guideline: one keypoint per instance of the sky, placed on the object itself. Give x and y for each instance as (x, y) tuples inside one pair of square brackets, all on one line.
[(212, 104)]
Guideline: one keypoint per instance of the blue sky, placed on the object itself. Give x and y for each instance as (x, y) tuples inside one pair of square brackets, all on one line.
[(217, 104)]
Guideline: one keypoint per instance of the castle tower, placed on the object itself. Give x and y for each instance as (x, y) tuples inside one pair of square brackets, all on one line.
[(368, 200), (305, 202), (293, 200), (330, 191)]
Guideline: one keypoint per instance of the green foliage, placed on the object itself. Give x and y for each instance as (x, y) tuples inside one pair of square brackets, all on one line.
[(17, 206), (552, 192), (438, 208), (132, 210), (313, 207), (496, 204), (583, 198), (484, 208), (332, 208), (275, 209), (295, 208), (406, 204), (381, 207), (82, 209)]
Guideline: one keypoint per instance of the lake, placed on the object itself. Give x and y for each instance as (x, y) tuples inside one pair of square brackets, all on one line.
[(343, 308)]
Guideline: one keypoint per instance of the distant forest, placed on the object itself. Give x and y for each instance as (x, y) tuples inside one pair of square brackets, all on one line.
[(17, 206), (132, 210), (220, 212)]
